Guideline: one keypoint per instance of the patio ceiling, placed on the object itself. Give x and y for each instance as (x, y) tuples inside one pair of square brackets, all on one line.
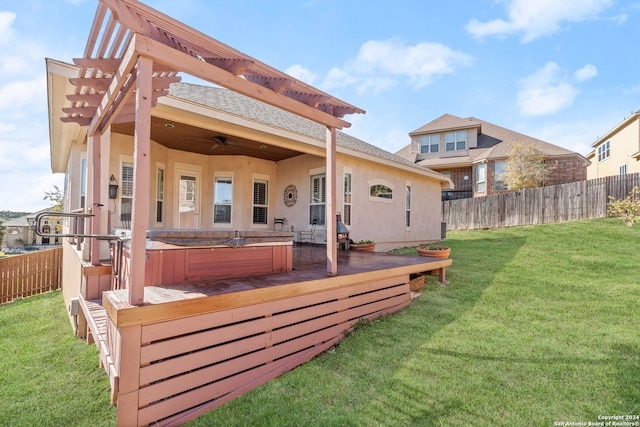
[(125, 29), (179, 136)]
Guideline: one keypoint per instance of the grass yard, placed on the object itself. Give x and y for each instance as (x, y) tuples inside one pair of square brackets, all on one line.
[(539, 326), (48, 377)]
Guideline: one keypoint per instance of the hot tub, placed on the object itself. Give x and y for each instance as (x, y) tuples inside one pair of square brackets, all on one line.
[(176, 256)]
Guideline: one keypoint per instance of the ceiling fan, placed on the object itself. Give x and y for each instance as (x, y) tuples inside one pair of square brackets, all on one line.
[(218, 142)]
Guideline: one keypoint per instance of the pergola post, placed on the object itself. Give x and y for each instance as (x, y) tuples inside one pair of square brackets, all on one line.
[(141, 179), (330, 221), (94, 204)]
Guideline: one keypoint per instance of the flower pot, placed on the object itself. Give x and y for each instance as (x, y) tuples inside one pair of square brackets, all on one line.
[(366, 247), (434, 251)]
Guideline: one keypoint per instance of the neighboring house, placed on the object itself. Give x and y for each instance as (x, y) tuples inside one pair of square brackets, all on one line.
[(473, 153), (20, 232), (618, 151), (205, 299)]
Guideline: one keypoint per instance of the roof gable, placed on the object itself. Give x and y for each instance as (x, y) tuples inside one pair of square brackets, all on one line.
[(447, 122), (494, 142)]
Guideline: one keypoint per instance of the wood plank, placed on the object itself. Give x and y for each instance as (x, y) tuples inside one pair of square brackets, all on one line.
[(124, 315)]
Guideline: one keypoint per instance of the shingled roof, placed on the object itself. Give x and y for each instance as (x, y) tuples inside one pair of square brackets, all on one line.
[(247, 107), (494, 142)]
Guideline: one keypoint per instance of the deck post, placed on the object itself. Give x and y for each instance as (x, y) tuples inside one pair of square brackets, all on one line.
[(330, 220), (141, 180), (94, 205)]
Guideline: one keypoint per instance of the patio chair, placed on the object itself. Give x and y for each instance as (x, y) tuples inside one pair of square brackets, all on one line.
[(278, 224), (308, 235)]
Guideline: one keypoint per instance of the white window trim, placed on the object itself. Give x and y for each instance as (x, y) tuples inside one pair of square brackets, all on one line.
[(160, 166), (380, 199), (124, 159), (267, 179), (82, 192), (345, 172), (407, 205), (484, 181), (228, 174)]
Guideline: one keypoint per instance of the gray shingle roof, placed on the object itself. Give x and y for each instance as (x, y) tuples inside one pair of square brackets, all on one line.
[(494, 142), (244, 106)]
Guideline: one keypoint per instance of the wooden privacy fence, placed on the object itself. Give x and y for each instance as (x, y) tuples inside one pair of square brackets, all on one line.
[(30, 274), (543, 205)]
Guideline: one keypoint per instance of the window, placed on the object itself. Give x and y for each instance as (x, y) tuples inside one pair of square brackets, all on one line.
[(223, 198), (429, 143), (456, 140), (407, 206), (603, 151), (159, 194), (83, 181), (380, 191), (623, 169), (318, 188), (481, 178), (346, 218), (126, 199), (498, 183), (260, 201)]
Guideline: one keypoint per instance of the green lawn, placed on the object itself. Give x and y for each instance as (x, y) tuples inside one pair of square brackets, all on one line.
[(539, 325)]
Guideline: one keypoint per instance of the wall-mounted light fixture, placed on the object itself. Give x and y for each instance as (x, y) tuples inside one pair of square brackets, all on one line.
[(113, 187)]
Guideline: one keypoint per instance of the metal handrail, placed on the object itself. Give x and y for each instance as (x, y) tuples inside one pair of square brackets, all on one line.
[(116, 264)]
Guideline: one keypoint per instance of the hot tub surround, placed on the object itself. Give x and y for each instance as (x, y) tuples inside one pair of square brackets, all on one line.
[(176, 256)]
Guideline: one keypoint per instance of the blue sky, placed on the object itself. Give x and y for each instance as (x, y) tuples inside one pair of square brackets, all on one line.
[(561, 71)]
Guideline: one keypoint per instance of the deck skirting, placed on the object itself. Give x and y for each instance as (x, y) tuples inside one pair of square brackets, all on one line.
[(187, 366)]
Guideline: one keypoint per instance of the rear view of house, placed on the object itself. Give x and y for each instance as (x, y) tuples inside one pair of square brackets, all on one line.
[(185, 206)]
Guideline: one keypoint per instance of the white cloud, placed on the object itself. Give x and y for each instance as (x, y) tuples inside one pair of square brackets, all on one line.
[(301, 73), (380, 63), (586, 73), (6, 20), (21, 93), (546, 91), (534, 19)]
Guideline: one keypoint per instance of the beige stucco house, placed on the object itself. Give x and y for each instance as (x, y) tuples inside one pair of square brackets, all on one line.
[(618, 151), (214, 152), (473, 153)]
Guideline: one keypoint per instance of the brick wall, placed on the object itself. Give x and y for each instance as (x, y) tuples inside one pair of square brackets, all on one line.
[(564, 171), (558, 171)]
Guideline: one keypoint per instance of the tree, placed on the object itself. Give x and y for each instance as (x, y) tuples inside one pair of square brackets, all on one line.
[(524, 167), (56, 197)]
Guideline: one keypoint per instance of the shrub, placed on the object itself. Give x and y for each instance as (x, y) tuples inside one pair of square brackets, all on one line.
[(628, 209)]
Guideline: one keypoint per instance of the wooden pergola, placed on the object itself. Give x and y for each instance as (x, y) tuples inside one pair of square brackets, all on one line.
[(133, 54)]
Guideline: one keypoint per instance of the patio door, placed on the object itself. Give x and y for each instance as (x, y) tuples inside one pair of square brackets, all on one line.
[(188, 198)]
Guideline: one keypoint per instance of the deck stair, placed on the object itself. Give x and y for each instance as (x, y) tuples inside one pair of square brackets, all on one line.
[(94, 330)]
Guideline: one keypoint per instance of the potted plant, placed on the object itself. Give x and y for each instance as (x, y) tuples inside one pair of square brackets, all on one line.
[(363, 245), (434, 251)]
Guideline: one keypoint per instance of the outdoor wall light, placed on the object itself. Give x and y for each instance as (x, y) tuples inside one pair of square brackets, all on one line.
[(113, 188)]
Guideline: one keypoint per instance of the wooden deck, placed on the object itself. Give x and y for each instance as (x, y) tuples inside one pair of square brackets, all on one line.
[(195, 345), (309, 264)]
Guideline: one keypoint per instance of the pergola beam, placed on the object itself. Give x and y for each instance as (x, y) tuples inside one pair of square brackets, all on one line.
[(201, 69)]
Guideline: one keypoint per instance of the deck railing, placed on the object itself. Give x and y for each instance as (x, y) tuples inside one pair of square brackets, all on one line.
[(30, 274)]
